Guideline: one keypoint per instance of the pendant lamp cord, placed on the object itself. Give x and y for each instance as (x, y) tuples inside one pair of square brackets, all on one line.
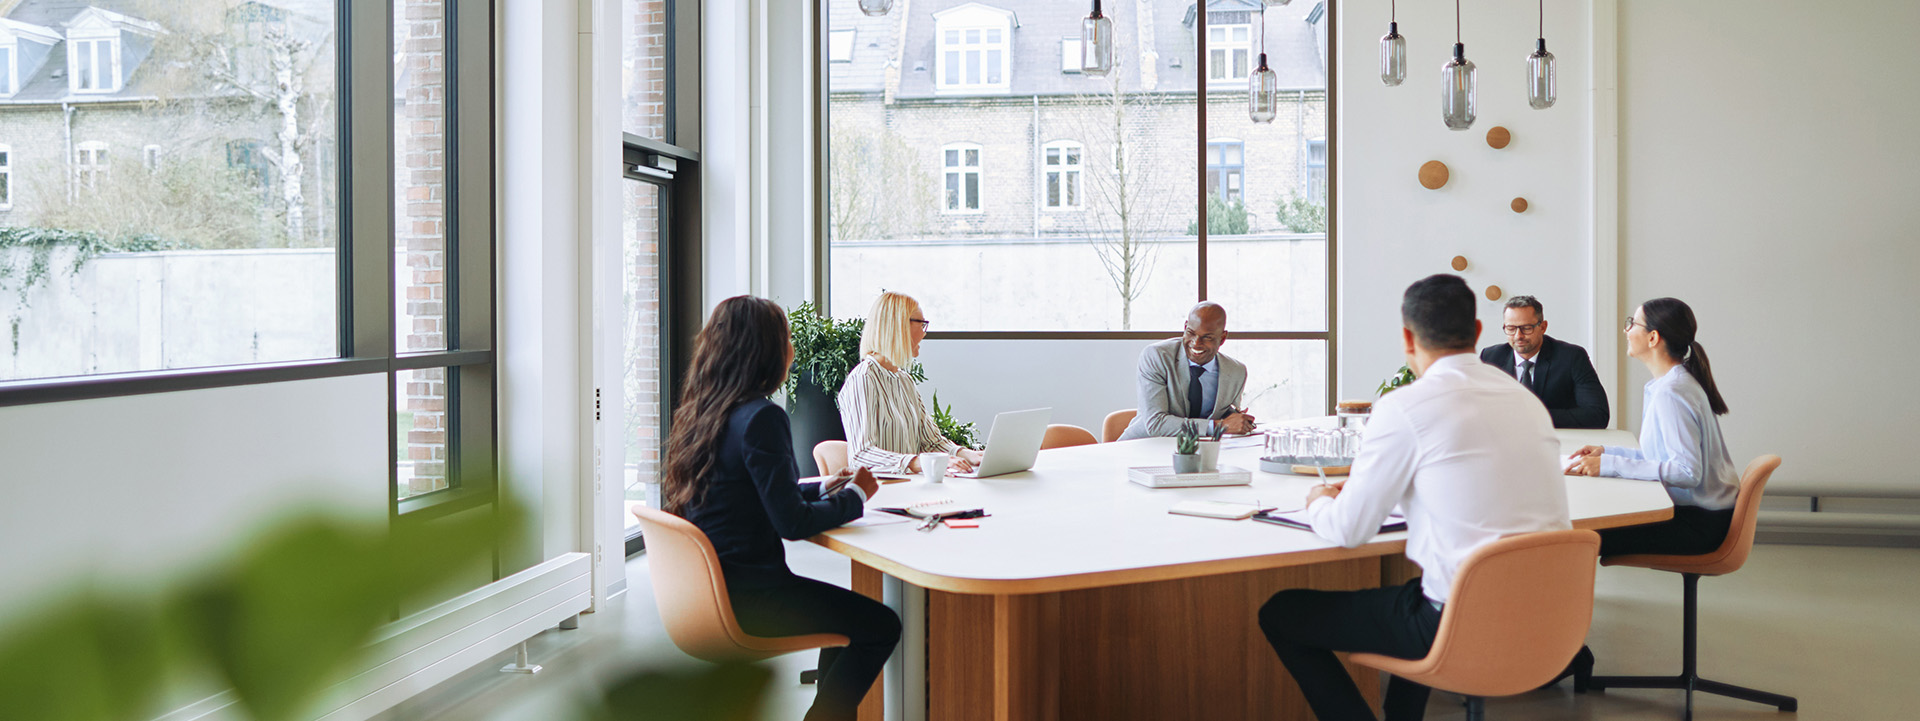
[(1393, 10), (1543, 18), (1456, 21)]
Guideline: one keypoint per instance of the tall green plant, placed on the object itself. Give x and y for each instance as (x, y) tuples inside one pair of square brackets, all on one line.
[(826, 350), (962, 434), (1301, 214)]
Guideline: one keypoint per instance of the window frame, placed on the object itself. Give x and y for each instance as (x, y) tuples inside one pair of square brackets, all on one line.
[(97, 163), (822, 278), (959, 20), (365, 281), (962, 170), (12, 76), (1227, 50), (111, 63), (835, 44), (6, 177), (1224, 170), (1075, 171)]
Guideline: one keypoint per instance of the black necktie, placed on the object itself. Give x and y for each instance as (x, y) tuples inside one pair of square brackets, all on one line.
[(1526, 374), (1194, 407)]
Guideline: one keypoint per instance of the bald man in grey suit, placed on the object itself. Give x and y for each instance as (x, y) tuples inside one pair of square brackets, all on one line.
[(1188, 378)]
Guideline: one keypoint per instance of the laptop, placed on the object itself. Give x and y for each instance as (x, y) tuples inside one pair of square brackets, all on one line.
[(1013, 443)]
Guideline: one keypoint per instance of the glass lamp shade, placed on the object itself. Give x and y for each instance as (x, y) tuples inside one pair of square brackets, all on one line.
[(876, 7), (1263, 93), (1096, 45), (1456, 90), (1540, 92), (1393, 56)]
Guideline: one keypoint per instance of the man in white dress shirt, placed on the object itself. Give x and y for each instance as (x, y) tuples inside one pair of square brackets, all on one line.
[(1469, 454)]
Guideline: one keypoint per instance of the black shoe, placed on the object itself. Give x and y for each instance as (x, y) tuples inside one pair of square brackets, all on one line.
[(1580, 668)]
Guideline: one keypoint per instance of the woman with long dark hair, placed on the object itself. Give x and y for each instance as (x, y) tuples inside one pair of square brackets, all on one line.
[(730, 471), (1680, 446)]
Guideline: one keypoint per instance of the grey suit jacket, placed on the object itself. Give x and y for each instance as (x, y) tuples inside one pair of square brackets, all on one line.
[(1163, 390)]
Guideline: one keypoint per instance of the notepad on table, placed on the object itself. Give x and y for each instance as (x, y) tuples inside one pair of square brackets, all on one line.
[(943, 507), (1298, 519), (1216, 509)]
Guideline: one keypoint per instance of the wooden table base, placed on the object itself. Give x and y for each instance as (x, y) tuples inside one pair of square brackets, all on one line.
[(1188, 648)]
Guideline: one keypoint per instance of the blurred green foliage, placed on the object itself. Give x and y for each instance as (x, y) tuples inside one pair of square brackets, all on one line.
[(281, 620)]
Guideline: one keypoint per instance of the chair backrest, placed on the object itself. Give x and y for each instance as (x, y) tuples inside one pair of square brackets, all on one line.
[(830, 456), (1061, 435), (687, 584), (1732, 553), (1519, 609), (1116, 424)]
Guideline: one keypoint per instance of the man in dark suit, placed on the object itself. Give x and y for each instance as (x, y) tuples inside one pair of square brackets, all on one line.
[(1555, 370)]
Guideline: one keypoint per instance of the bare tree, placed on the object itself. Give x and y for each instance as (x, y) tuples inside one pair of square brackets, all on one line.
[(1130, 211), (877, 188)]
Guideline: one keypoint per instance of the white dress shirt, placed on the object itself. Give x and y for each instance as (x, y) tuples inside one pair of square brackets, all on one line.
[(1468, 453), (1680, 445)]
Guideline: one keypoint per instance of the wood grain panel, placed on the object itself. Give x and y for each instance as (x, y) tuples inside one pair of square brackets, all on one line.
[(867, 582), (1188, 648)]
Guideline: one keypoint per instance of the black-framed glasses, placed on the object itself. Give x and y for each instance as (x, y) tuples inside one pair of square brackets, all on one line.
[(1631, 323), (924, 323), (1527, 329)]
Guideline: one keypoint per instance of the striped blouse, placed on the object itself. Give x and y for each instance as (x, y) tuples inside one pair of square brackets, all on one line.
[(885, 420)]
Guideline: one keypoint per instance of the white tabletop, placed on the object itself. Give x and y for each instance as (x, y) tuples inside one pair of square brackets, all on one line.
[(1075, 521)]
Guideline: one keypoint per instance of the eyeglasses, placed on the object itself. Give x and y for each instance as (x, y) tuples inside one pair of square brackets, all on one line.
[(1631, 323), (1520, 329), (924, 323)]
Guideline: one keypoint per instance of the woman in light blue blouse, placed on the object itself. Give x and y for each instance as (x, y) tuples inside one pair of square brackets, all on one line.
[(1680, 441)]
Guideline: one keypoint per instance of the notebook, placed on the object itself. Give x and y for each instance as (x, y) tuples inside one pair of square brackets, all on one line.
[(1298, 519), (943, 507), (1216, 509)]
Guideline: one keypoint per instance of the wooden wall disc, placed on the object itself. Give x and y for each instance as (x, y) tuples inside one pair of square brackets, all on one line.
[(1493, 292), (1459, 262), (1433, 175), (1498, 137), (1519, 205)]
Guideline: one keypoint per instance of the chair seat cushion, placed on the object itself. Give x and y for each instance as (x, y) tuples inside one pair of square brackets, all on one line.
[(758, 647), (1711, 564)]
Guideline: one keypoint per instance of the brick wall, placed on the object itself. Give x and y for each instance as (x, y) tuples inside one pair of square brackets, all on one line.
[(420, 227), (644, 65)]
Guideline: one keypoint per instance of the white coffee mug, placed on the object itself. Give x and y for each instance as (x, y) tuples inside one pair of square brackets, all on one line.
[(1209, 456), (933, 467)]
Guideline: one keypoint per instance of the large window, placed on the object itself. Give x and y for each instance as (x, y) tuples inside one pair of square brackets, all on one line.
[(975, 43), (1061, 161), (6, 177), (9, 81), (1176, 195), (961, 177)]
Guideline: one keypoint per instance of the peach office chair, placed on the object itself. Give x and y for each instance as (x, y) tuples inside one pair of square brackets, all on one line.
[(1116, 424), (1726, 559), (1061, 435), (1519, 610), (693, 599), (830, 456)]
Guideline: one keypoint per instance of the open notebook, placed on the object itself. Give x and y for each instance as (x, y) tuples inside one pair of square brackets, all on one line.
[(1298, 519), (944, 507)]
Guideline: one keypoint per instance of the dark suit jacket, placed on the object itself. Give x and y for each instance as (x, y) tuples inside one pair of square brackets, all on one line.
[(1564, 380), (754, 498)]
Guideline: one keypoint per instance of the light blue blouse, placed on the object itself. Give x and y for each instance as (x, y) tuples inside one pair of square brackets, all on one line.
[(1680, 445)]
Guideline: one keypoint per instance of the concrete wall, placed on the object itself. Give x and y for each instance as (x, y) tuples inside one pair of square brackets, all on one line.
[(179, 309)]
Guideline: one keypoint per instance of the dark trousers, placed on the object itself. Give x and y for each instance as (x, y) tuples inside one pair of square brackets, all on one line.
[(805, 606), (1692, 531), (1306, 627)]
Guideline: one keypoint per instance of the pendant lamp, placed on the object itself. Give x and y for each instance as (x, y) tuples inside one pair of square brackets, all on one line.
[(1540, 90), (1096, 44), (1263, 86), (1457, 81), (1393, 50), (876, 7)]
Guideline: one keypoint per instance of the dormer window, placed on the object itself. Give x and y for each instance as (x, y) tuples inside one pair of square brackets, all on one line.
[(1229, 47), (94, 65), (23, 50), (974, 49), (9, 69)]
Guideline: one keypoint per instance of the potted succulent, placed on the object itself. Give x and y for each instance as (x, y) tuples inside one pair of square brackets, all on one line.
[(1186, 449)]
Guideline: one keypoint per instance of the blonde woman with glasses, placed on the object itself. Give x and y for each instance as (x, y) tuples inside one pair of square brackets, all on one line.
[(887, 425)]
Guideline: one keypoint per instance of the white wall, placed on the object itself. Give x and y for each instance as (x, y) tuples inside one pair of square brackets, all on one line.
[(1392, 231), (1766, 179), (132, 488)]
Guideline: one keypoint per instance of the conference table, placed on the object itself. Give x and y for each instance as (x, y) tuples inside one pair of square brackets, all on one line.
[(1081, 597)]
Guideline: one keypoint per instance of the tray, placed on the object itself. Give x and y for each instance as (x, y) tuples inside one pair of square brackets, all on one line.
[(1272, 466), (1164, 477)]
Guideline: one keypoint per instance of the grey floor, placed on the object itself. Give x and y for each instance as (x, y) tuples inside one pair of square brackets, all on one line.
[(1835, 626)]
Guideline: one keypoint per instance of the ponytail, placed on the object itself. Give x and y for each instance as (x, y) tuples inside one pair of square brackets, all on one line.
[(1696, 363), (1673, 320)]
